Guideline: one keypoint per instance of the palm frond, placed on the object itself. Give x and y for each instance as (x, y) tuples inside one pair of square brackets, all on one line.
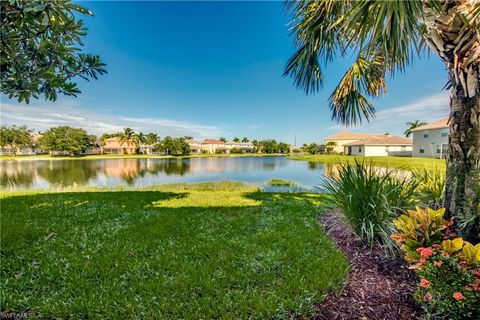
[(390, 31), (349, 102)]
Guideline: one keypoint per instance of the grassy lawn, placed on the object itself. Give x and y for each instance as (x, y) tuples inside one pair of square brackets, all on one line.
[(391, 162), (132, 156), (212, 250)]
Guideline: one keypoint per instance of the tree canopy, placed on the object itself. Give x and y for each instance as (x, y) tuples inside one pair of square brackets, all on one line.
[(66, 139), (40, 51), (15, 137)]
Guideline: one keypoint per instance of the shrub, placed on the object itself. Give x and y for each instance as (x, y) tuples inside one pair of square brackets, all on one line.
[(431, 184), (448, 266), (220, 151), (370, 198), (236, 151), (420, 228)]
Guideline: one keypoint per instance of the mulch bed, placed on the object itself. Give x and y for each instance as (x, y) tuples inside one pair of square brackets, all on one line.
[(376, 288)]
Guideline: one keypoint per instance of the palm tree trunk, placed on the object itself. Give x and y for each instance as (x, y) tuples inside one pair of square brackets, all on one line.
[(462, 192)]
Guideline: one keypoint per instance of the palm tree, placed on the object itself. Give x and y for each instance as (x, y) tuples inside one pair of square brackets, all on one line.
[(413, 125), (330, 146), (140, 139), (127, 137), (245, 140), (222, 139), (386, 36), (236, 139)]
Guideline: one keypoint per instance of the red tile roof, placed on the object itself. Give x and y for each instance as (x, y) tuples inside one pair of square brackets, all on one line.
[(348, 135)]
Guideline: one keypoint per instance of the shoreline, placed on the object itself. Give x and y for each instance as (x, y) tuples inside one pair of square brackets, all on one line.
[(135, 156)]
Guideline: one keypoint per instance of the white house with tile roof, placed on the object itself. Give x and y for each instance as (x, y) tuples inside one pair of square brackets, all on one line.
[(431, 140), (380, 145), (365, 144)]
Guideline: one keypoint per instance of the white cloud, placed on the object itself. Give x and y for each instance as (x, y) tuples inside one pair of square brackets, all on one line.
[(42, 116), (394, 119)]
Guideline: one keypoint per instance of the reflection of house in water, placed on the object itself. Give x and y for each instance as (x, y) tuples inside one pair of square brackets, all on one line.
[(167, 166), (244, 164), (126, 169)]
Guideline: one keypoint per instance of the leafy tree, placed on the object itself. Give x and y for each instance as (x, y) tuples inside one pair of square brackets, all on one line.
[(413, 125), (283, 147), (236, 139), (106, 136), (257, 147), (40, 52), (151, 138), (66, 139), (269, 146), (312, 148), (222, 139), (386, 36), (174, 146), (188, 137), (245, 140), (15, 137)]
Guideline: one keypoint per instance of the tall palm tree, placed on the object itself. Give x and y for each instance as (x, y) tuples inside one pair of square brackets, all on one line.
[(245, 140), (386, 36), (413, 125), (222, 139), (140, 139), (127, 137)]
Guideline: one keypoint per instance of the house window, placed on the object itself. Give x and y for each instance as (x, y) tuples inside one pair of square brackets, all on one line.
[(425, 135), (386, 149), (438, 149), (359, 149), (422, 150), (403, 148), (444, 134)]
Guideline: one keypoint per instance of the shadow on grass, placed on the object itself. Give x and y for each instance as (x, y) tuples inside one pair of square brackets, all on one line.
[(101, 254)]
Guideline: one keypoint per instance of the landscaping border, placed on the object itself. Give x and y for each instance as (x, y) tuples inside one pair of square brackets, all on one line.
[(376, 288)]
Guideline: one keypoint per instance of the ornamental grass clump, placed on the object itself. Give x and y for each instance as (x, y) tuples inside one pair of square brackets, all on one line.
[(447, 265), (370, 198)]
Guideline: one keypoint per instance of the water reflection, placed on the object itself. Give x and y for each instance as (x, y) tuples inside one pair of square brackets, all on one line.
[(34, 174)]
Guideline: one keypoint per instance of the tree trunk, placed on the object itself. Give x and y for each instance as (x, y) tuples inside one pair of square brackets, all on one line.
[(462, 188)]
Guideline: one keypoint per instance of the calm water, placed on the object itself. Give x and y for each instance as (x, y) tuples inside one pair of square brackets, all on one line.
[(40, 174)]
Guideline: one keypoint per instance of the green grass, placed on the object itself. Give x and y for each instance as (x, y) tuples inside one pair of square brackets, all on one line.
[(281, 183), (132, 156), (211, 250), (407, 163)]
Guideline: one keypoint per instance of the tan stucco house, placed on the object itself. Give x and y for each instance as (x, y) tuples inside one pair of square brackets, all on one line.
[(116, 146), (341, 138), (431, 140)]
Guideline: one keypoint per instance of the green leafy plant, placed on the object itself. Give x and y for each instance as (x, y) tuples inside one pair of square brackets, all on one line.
[(420, 228), (431, 186), (369, 198), (448, 266)]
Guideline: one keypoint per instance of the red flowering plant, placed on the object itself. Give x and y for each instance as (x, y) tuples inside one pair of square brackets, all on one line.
[(448, 266)]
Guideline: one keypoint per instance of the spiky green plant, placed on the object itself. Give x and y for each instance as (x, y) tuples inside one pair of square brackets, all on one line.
[(369, 198)]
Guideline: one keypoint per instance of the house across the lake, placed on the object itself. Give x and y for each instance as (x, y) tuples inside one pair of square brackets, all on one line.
[(217, 146), (115, 146), (431, 140), (365, 144), (380, 145)]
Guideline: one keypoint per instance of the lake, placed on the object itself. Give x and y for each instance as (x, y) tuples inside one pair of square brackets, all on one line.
[(43, 174)]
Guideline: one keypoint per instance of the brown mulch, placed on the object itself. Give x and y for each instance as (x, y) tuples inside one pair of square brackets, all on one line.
[(376, 288)]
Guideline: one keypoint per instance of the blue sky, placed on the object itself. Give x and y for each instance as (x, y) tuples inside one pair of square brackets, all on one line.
[(211, 69)]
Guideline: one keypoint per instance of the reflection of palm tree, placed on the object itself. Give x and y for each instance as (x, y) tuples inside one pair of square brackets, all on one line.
[(127, 137), (413, 125)]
